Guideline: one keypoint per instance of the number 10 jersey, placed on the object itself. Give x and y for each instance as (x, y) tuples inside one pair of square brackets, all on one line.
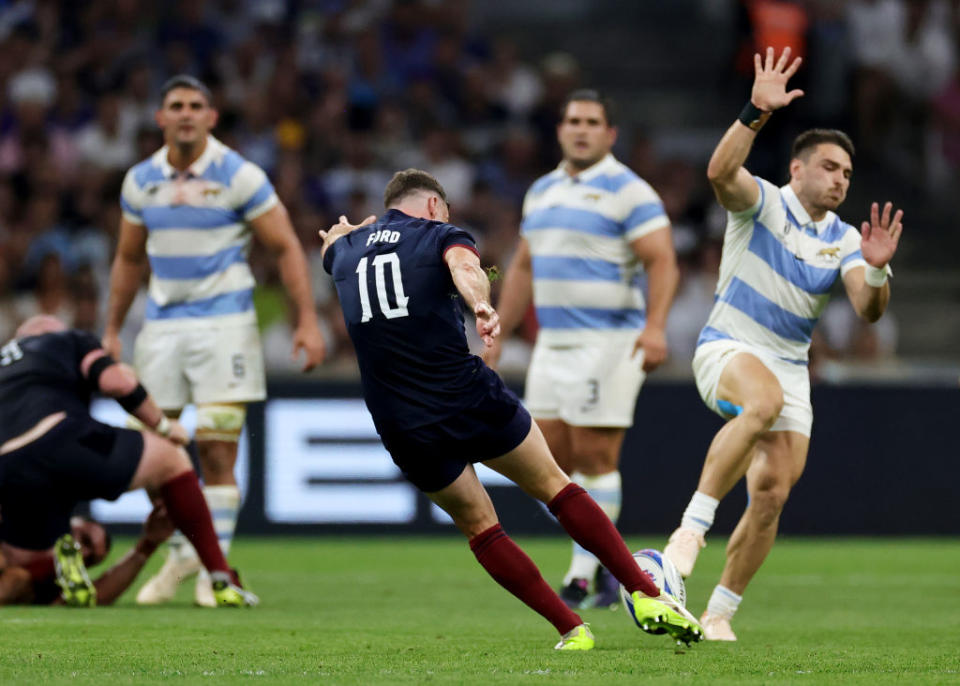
[(405, 318)]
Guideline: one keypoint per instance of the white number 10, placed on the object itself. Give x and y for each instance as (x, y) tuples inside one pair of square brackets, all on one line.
[(378, 275)]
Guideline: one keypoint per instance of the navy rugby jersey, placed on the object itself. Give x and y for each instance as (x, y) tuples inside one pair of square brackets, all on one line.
[(40, 375), (405, 318)]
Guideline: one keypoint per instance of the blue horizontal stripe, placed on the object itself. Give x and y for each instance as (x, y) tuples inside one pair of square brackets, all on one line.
[(196, 266), (612, 184), (188, 217), (644, 213), (223, 513), (147, 172), (574, 269), (570, 218), (710, 334), (767, 313), (544, 182), (225, 303), (815, 280), (834, 232), (589, 318), (264, 192), (852, 256), (223, 171), (128, 208)]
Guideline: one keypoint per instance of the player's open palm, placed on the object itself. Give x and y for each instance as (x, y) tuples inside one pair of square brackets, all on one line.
[(770, 81), (488, 322), (880, 235)]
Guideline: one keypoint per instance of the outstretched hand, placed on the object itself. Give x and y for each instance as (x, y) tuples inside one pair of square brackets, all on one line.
[(488, 322), (342, 228), (770, 81), (879, 236)]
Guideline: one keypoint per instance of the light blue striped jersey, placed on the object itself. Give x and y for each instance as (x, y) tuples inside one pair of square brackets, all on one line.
[(198, 235), (776, 272), (586, 278)]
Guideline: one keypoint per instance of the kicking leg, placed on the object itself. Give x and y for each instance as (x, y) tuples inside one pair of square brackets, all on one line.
[(466, 501)]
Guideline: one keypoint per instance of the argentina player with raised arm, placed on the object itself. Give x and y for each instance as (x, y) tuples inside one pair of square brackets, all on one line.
[(191, 210), (439, 409), (783, 250)]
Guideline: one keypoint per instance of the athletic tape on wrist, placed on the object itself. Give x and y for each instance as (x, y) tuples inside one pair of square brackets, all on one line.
[(875, 276), (97, 368), (753, 117)]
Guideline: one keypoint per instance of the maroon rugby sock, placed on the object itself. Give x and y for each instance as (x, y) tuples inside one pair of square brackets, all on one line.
[(511, 568), (589, 526), (189, 512)]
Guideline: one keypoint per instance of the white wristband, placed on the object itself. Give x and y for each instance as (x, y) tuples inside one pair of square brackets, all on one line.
[(875, 276), (163, 426)]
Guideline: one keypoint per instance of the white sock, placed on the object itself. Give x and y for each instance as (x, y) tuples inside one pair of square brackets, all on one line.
[(723, 602), (607, 491), (224, 504), (699, 513)]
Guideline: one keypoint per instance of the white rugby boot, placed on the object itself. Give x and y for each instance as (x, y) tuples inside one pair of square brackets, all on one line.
[(717, 628), (683, 548), (162, 586), (203, 590)]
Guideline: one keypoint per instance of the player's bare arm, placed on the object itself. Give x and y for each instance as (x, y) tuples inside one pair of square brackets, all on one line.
[(120, 382), (515, 296), (339, 230), (129, 266), (867, 288), (655, 251), (735, 188), (114, 581), (275, 231), (474, 286)]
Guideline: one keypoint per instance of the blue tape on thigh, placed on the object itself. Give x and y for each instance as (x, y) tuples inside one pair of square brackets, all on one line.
[(728, 408)]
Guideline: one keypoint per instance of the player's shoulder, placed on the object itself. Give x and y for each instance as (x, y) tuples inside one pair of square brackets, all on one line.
[(619, 180), (147, 171), (545, 181), (838, 231), (227, 165)]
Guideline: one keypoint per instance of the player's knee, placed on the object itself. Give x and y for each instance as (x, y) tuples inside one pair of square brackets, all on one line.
[(764, 409), (220, 421), (767, 502)]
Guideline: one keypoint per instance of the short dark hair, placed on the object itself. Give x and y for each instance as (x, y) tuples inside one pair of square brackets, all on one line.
[(409, 181), (185, 81), (808, 140), (591, 95)]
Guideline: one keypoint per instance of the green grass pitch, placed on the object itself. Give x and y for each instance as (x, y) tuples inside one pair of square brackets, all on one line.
[(420, 611)]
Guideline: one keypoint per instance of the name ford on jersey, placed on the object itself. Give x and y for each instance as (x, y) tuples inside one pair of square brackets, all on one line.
[(383, 236)]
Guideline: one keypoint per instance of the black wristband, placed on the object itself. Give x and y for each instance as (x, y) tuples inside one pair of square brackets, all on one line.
[(134, 399), (97, 368), (753, 117)]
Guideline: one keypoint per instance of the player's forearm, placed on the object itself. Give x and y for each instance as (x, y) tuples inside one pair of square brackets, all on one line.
[(871, 302), (472, 283), (730, 154), (125, 278), (295, 275), (119, 381), (663, 276), (516, 292), (113, 582)]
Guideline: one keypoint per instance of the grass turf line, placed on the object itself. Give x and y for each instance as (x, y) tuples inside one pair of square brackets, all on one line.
[(420, 610)]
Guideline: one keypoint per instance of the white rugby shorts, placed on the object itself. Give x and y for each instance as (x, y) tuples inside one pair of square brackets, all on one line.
[(214, 364), (594, 383), (710, 359)]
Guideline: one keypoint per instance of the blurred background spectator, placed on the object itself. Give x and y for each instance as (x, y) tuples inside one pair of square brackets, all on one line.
[(332, 96)]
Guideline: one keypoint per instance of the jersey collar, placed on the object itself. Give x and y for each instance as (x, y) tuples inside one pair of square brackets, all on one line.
[(213, 150), (801, 215), (590, 172)]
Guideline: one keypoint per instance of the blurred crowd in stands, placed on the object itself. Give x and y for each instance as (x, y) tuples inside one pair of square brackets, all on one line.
[(331, 96)]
